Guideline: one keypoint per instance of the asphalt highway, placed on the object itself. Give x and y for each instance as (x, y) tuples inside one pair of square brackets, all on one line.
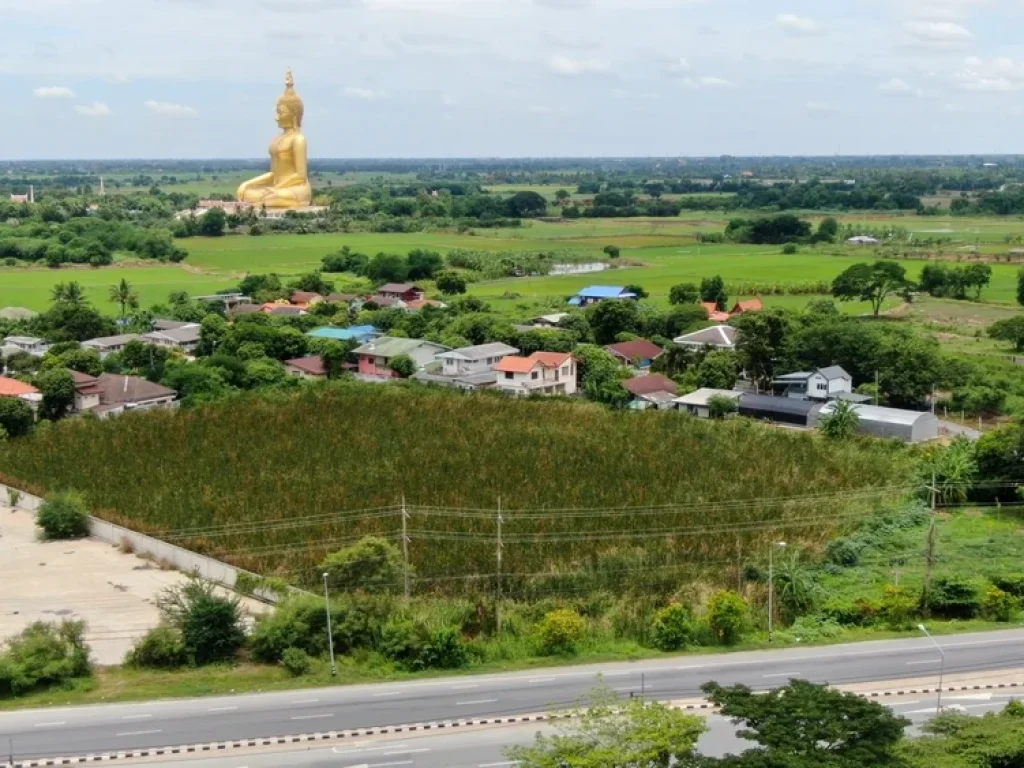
[(483, 747), (123, 727)]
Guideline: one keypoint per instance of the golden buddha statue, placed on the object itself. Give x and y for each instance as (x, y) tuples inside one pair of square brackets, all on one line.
[(287, 184)]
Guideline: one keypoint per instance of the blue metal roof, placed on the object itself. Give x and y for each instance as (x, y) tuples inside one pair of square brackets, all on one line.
[(605, 292), (356, 332)]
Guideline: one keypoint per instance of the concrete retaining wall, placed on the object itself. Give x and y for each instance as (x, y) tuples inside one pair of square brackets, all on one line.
[(182, 559)]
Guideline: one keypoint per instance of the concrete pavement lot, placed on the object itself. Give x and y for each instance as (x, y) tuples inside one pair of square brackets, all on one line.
[(115, 593)]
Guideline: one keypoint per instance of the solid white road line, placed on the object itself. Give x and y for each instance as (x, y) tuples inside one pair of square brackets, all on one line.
[(927, 661), (312, 717), (135, 717), (478, 701), (139, 733), (50, 725), (497, 765), (222, 709), (385, 765), (393, 753), (784, 674), (387, 693), (305, 701)]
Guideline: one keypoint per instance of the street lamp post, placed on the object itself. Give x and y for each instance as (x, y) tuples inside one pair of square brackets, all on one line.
[(330, 635), (942, 665), (771, 588)]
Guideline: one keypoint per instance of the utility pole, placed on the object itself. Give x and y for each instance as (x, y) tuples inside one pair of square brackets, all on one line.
[(929, 552), (771, 588), (497, 608), (330, 634), (876, 387), (405, 546)]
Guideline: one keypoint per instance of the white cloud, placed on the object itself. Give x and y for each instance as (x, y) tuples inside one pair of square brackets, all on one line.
[(171, 110), (563, 65), (708, 82), (96, 109), (899, 87), (564, 4), (938, 33), (798, 25), (54, 92), (678, 66), (820, 108), (1000, 75), (365, 94)]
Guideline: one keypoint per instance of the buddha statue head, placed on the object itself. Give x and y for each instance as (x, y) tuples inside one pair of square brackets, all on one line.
[(289, 106)]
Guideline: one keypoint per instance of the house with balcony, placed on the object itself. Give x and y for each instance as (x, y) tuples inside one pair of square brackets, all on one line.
[(105, 346), (542, 373), (184, 338), (467, 368), (376, 355), (822, 384), (31, 344)]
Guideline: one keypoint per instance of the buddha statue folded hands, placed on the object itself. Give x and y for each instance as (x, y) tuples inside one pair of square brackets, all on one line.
[(287, 184)]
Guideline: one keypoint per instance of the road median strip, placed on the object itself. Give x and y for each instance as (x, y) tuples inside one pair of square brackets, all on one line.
[(420, 727)]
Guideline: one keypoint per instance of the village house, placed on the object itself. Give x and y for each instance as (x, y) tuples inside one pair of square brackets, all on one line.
[(111, 394), (699, 403), (184, 338), (360, 333), (715, 315), (595, 294), (821, 384), (651, 391), (468, 368), (162, 324), (750, 305), (639, 353), (31, 344), (243, 309), (716, 337), (105, 346), (306, 299), (286, 310), (14, 388), (542, 373), (312, 367), (375, 356), (547, 321), (400, 291)]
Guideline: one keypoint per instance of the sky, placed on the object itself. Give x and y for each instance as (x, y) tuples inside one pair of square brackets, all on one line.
[(102, 79)]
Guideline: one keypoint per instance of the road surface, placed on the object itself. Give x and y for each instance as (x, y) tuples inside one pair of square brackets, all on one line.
[(483, 747), (125, 727)]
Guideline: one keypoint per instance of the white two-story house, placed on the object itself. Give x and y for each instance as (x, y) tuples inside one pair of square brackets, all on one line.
[(542, 373), (468, 368), (822, 384)]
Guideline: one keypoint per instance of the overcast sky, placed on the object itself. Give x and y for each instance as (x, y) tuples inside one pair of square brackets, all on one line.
[(485, 78)]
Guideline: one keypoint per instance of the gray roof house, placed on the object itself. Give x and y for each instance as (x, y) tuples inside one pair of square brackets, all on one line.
[(185, 338), (908, 426), (717, 336), (821, 384), (108, 345), (467, 368)]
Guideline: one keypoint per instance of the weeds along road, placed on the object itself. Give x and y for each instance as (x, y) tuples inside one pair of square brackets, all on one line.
[(125, 727)]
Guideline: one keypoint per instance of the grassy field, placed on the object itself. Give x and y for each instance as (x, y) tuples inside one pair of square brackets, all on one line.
[(366, 447), (665, 252)]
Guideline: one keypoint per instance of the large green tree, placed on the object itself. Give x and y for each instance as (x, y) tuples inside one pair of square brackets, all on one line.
[(959, 741), (610, 318), (763, 343), (873, 283), (58, 389), (611, 733), (803, 725), (16, 417)]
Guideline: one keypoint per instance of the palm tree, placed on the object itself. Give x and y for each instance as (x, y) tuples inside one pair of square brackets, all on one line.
[(70, 293), (125, 295), (842, 422)]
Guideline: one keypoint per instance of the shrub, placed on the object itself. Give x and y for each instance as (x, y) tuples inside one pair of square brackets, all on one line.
[(444, 650), (727, 616), (210, 624), (1008, 582), (844, 551), (401, 642), (372, 565), (998, 605), (160, 648), (850, 614), (954, 597), (63, 516), (672, 628), (13, 497), (898, 608), (296, 661), (560, 632), (789, 249), (44, 655)]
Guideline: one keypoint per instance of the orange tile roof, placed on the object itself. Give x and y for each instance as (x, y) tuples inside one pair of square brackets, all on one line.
[(15, 388), (516, 364), (751, 305), (551, 359)]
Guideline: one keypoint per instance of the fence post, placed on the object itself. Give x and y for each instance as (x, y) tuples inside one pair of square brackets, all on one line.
[(405, 546), (497, 611)]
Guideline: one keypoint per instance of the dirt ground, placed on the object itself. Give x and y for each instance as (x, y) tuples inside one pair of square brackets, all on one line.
[(114, 593)]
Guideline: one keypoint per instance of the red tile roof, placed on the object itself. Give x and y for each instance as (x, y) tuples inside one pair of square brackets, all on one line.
[(313, 365), (751, 305), (551, 359), (15, 388), (646, 385), (304, 297), (516, 364), (638, 349)]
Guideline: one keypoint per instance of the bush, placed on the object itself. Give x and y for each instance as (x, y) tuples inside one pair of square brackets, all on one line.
[(998, 605), (44, 655), (1008, 582), (560, 632), (954, 597), (844, 552), (727, 616), (898, 608), (857, 613), (401, 642), (160, 648), (296, 661), (210, 624), (444, 650), (789, 249), (672, 628), (372, 564), (13, 497), (63, 516)]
